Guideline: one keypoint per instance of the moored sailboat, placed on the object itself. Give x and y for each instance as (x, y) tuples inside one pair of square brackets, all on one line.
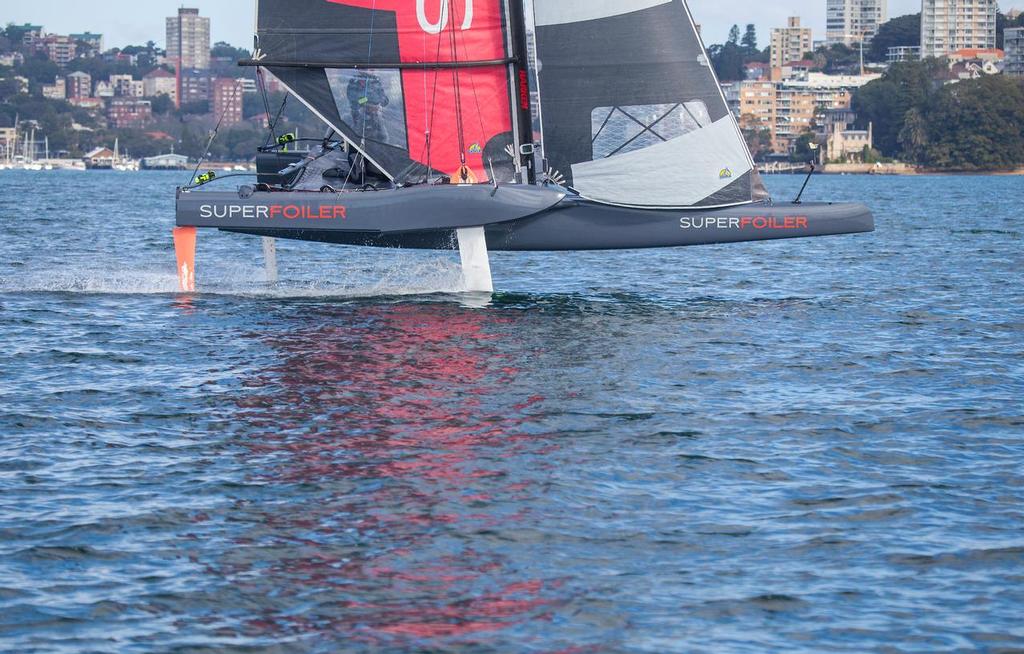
[(433, 141)]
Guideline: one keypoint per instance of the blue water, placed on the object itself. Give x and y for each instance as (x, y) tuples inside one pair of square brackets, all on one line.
[(801, 446)]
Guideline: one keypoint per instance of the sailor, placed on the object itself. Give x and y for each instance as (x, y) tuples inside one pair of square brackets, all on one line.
[(367, 99)]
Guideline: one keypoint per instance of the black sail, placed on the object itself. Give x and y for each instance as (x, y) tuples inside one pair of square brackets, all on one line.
[(632, 113), (413, 84)]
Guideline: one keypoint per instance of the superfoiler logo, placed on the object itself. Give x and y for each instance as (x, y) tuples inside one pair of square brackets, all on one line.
[(743, 222), (273, 212)]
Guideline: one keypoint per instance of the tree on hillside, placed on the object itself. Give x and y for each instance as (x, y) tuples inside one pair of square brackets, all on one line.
[(886, 101), (749, 41), (900, 31), (38, 69), (728, 60), (837, 59), (1002, 22), (973, 125)]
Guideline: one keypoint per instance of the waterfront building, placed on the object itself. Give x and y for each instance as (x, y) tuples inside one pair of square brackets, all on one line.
[(951, 25), (166, 162), (792, 106), (227, 101), (188, 39), (99, 159), (849, 22), (843, 143), (1013, 46), (78, 85), (790, 43)]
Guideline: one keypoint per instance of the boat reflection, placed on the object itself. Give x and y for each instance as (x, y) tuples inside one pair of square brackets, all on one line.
[(403, 422)]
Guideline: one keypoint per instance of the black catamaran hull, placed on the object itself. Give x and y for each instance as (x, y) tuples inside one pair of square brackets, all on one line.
[(519, 218)]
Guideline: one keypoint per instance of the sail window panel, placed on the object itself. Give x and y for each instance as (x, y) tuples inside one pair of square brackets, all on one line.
[(705, 167), (619, 130), (372, 104)]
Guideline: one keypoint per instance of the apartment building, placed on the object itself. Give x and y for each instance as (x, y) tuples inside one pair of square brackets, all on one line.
[(790, 43), (188, 39), (850, 22), (78, 85), (1013, 45), (951, 25), (227, 100)]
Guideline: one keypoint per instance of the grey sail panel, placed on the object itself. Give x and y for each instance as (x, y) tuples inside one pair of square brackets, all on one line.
[(632, 111)]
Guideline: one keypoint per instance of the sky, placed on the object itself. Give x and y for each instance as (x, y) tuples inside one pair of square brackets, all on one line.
[(129, 22)]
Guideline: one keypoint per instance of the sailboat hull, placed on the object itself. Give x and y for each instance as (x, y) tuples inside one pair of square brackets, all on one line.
[(516, 218)]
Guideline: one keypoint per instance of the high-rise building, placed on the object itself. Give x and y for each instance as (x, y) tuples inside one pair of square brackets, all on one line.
[(227, 100), (854, 21), (1013, 44), (188, 39), (951, 25), (790, 43)]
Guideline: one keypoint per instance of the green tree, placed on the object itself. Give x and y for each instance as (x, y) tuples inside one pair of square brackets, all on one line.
[(728, 62), (734, 35), (900, 31), (749, 41), (913, 138), (975, 125), (162, 105), (805, 149), (1002, 22), (191, 143), (38, 69), (886, 101), (837, 59)]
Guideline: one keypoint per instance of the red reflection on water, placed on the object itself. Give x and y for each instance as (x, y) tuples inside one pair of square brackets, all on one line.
[(402, 418)]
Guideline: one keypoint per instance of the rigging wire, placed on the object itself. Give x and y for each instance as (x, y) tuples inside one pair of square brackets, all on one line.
[(433, 106), (458, 102), (476, 100), (206, 150), (266, 104), (360, 159)]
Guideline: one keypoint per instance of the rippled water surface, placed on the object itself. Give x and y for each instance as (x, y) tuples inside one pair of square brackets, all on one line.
[(801, 446)]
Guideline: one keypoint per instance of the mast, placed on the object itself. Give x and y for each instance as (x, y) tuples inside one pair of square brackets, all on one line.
[(519, 74)]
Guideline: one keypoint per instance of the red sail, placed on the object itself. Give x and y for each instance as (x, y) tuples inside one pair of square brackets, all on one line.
[(440, 101)]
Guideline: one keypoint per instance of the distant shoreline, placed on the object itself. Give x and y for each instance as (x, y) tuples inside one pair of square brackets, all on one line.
[(898, 169)]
